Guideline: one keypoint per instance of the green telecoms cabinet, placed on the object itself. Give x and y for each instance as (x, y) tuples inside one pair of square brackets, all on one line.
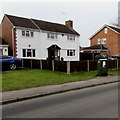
[(102, 67)]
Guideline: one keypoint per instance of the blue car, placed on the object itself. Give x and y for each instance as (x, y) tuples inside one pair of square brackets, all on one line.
[(9, 62)]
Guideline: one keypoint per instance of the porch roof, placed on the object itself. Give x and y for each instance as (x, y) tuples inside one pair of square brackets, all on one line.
[(54, 47)]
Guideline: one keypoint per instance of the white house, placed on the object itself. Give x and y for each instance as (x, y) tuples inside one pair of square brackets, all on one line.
[(43, 40)]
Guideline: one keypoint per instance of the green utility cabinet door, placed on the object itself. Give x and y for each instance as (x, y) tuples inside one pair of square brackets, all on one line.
[(102, 67)]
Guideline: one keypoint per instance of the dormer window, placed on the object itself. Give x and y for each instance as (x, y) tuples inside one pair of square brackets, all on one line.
[(51, 36), (105, 30)]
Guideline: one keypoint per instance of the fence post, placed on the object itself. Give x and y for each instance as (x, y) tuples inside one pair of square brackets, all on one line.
[(22, 63), (88, 66), (31, 63), (41, 64), (117, 64), (68, 67), (53, 66)]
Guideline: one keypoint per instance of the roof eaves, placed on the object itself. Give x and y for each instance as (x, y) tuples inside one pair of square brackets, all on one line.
[(97, 31), (76, 33), (10, 17), (102, 28), (9, 20), (112, 29)]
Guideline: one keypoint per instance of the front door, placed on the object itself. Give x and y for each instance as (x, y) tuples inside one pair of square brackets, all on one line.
[(54, 52), (51, 54)]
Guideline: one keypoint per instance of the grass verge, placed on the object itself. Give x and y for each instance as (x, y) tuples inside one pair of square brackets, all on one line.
[(114, 72), (21, 79)]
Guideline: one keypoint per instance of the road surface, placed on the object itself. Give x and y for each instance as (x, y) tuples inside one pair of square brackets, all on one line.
[(94, 102)]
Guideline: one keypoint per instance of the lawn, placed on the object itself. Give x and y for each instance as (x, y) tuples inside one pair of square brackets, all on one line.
[(20, 79)]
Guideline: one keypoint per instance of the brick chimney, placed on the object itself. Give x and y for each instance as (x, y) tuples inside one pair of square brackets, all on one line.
[(69, 23)]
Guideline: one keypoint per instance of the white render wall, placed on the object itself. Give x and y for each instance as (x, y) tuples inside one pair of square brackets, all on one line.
[(63, 43), (24, 42), (40, 42)]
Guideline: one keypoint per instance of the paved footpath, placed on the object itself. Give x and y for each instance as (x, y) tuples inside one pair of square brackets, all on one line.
[(24, 94)]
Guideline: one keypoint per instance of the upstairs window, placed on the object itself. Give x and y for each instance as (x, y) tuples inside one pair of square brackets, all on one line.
[(99, 41), (31, 34), (70, 52), (70, 37), (28, 33), (104, 41), (23, 33), (51, 36)]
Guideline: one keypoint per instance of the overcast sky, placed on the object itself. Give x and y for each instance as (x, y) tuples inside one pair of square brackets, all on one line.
[(88, 16)]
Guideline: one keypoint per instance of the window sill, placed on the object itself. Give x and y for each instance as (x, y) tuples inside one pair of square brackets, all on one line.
[(52, 39), (71, 41), (26, 37), (70, 56)]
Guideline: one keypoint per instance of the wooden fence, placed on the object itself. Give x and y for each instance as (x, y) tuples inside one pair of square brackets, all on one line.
[(67, 66)]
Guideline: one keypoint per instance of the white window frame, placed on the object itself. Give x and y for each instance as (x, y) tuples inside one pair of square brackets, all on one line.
[(105, 30), (29, 50), (99, 41), (104, 41), (27, 33), (31, 33), (71, 52), (51, 36), (23, 33), (70, 37)]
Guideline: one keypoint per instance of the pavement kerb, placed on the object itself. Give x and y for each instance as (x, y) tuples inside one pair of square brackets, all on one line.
[(55, 89)]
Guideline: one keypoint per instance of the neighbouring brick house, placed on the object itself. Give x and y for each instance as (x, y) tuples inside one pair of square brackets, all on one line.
[(37, 39), (109, 37)]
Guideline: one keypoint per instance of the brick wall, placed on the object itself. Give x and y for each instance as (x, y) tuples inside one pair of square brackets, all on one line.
[(113, 41), (6, 29)]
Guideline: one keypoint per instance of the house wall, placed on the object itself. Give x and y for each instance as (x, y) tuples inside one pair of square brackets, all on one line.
[(40, 42), (112, 41), (4, 49), (24, 42), (63, 43), (6, 32)]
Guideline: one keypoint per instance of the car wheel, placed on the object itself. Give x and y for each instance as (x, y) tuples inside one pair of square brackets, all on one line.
[(13, 66)]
